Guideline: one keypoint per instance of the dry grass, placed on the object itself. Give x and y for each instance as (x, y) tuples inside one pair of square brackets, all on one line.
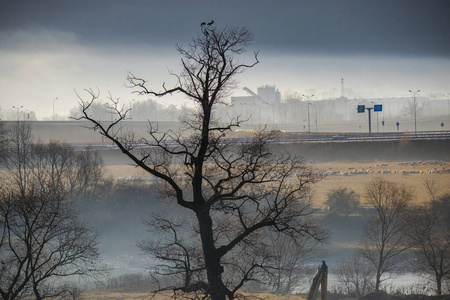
[(107, 295), (358, 182), (355, 182)]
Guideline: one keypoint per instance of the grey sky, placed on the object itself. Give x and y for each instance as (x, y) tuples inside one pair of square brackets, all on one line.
[(382, 47)]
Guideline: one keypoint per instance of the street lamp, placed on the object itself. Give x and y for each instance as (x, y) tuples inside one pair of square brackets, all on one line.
[(315, 110), (415, 117), (131, 108), (309, 103), (378, 130), (309, 127), (18, 112), (448, 104), (54, 108)]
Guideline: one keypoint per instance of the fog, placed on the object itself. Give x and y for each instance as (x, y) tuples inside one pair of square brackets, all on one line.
[(127, 197), (119, 216), (317, 62), (54, 50)]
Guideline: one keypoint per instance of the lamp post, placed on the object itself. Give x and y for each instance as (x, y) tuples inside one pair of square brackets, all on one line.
[(18, 112), (315, 110), (54, 108), (378, 130), (131, 109), (448, 104), (415, 116), (309, 103), (309, 126)]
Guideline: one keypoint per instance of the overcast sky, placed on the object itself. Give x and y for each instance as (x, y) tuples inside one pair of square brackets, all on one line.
[(50, 49)]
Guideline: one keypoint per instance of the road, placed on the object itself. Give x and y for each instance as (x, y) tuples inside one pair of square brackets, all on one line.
[(293, 138)]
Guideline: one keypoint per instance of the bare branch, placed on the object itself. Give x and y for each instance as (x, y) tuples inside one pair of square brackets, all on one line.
[(237, 189)]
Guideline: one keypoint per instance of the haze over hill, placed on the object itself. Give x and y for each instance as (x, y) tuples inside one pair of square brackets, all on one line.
[(382, 48)]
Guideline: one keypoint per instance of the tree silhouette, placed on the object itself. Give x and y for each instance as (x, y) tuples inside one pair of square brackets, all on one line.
[(385, 238), (234, 189)]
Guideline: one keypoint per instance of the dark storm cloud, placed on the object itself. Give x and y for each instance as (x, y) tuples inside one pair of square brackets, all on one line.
[(384, 27)]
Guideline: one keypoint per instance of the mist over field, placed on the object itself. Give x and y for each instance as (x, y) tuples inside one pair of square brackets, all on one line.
[(121, 217), (225, 150)]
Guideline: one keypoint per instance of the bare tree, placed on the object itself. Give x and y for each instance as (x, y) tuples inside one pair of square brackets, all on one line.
[(432, 189), (86, 176), (410, 109), (55, 165), (42, 240), (175, 246), (428, 229), (3, 140), (235, 189), (356, 275), (19, 142), (290, 258), (385, 238)]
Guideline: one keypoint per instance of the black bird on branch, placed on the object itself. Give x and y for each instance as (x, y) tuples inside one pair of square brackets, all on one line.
[(205, 29)]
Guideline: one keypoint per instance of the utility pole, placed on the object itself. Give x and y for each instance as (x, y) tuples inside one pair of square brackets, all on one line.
[(309, 103), (370, 123), (415, 117), (315, 110), (18, 112)]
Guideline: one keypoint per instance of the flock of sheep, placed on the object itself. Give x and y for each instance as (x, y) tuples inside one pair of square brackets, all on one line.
[(370, 170)]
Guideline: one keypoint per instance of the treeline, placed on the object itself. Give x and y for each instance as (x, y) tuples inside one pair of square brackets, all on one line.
[(137, 110), (397, 236), (403, 150), (60, 189), (44, 241)]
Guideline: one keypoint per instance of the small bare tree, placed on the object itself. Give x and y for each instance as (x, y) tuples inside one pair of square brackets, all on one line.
[(53, 164), (3, 140), (385, 238), (42, 242), (428, 230), (19, 141), (175, 246), (432, 189), (410, 109), (289, 260), (235, 189), (356, 275), (42, 239)]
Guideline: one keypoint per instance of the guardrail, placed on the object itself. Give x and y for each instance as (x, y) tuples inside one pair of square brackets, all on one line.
[(422, 135), (314, 138)]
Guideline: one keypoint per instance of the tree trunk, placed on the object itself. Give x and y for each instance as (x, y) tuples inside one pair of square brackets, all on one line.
[(36, 293), (380, 264), (438, 284), (214, 270), (377, 280)]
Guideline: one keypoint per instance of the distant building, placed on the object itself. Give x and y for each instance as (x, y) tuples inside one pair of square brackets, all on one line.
[(270, 94), (260, 107)]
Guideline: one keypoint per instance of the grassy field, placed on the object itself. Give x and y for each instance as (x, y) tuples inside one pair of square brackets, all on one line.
[(108, 295), (357, 182), (344, 240)]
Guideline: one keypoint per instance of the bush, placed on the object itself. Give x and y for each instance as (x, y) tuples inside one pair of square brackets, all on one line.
[(342, 201)]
